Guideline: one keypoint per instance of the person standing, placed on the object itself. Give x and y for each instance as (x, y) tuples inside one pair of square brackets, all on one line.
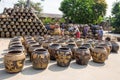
[(100, 33), (77, 34)]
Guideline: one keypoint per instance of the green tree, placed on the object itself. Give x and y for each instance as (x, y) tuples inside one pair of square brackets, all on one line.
[(48, 20), (36, 6), (116, 17), (83, 11)]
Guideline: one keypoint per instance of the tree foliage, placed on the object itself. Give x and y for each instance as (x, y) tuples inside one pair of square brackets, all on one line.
[(83, 11), (36, 6), (116, 16)]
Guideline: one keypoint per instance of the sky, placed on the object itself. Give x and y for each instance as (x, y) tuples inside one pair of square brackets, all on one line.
[(49, 6)]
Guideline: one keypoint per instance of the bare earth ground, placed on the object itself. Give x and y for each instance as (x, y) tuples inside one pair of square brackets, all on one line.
[(110, 70)]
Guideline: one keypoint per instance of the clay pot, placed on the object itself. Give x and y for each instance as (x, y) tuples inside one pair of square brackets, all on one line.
[(31, 49), (30, 43), (40, 58), (79, 43), (7, 34), (107, 47), (2, 34), (14, 61), (99, 54), (73, 48), (88, 45), (63, 56), (115, 47), (18, 47), (62, 43), (46, 44), (82, 55), (53, 50), (118, 38)]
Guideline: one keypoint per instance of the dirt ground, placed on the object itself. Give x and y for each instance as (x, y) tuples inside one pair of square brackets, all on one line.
[(110, 70)]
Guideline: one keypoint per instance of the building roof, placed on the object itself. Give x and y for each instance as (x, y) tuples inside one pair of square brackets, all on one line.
[(51, 15)]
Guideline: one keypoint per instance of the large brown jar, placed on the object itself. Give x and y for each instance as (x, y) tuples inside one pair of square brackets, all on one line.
[(107, 47), (31, 49), (63, 57), (40, 58), (53, 50), (73, 48), (99, 54), (14, 61), (82, 55)]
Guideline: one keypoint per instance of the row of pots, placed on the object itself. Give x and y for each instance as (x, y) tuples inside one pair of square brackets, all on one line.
[(15, 58), (12, 34), (63, 50)]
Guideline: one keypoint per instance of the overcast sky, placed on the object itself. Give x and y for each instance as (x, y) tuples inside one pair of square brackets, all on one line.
[(49, 6)]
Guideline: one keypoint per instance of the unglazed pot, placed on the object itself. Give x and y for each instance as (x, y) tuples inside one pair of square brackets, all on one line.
[(53, 50), (115, 47), (14, 61), (63, 56), (99, 54), (73, 48), (82, 55), (40, 58)]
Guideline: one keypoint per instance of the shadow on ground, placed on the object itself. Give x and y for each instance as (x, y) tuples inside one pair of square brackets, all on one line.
[(96, 64), (4, 75), (30, 71), (55, 67), (77, 66)]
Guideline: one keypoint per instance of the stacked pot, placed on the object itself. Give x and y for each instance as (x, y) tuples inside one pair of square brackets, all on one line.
[(20, 21)]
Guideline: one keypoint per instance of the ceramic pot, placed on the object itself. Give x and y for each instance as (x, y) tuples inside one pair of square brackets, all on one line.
[(63, 56), (14, 61), (79, 43), (82, 55), (99, 54), (73, 48), (53, 50), (46, 44), (107, 47), (31, 49), (40, 58), (115, 47)]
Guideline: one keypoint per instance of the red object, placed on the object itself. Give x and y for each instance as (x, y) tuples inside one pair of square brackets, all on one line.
[(78, 34)]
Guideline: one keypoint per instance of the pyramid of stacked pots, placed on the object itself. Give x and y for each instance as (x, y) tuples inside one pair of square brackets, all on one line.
[(61, 49), (20, 21)]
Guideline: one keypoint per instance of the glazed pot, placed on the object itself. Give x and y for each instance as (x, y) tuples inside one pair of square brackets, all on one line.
[(62, 43), (53, 50), (40, 58), (82, 55), (73, 48), (19, 47), (109, 44), (88, 45), (115, 47), (99, 54), (79, 43), (31, 49), (107, 47), (63, 56), (46, 44), (14, 61)]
